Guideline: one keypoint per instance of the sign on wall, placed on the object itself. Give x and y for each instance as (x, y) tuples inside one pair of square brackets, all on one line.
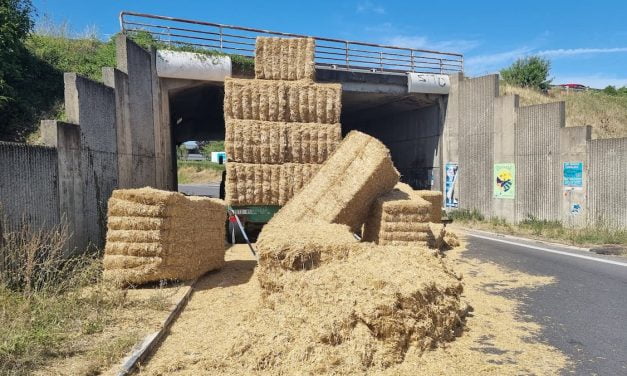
[(504, 180), (573, 175), (449, 185)]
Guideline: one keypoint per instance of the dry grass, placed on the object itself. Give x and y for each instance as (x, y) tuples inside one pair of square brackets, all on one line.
[(198, 174), (496, 340), (605, 113), (57, 316)]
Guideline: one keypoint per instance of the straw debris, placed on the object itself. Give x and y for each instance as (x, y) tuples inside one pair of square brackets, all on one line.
[(284, 101), (265, 184), (265, 142), (154, 235), (284, 59)]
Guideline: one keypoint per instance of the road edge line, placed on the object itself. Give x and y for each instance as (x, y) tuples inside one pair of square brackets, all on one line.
[(554, 244), (548, 250)]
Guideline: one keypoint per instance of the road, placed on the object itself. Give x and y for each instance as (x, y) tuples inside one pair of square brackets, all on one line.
[(584, 313), (200, 189)]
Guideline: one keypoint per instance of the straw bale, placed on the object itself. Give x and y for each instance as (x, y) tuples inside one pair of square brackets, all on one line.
[(284, 59), (435, 199), (265, 142), (288, 101), (154, 235), (342, 191), (364, 312), (265, 184)]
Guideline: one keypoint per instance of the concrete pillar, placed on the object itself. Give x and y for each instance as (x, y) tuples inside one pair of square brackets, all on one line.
[(118, 80), (92, 105), (504, 148), (136, 63), (574, 149), (449, 144), (163, 154), (67, 140)]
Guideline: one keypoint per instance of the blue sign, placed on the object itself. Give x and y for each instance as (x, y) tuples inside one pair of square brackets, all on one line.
[(573, 174)]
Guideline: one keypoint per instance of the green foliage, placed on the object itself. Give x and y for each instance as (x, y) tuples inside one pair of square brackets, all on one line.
[(201, 165), (212, 146), (613, 91), (530, 72), (466, 215)]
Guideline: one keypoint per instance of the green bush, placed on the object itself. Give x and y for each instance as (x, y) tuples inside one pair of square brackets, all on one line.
[(466, 215), (531, 72)]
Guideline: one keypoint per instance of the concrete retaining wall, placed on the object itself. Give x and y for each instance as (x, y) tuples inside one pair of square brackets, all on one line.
[(482, 130), (118, 136), (607, 181), (28, 176)]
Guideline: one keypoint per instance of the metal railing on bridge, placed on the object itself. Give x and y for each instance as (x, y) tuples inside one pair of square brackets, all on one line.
[(329, 53)]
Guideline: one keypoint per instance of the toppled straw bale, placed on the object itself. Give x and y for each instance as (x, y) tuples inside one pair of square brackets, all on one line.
[(435, 199), (402, 217), (154, 235), (256, 141), (343, 189), (285, 101), (284, 59), (265, 184), (356, 315)]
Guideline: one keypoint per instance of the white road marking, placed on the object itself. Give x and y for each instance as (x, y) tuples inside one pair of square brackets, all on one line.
[(612, 262)]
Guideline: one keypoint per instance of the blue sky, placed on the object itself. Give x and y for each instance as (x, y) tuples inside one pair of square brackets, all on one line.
[(585, 41)]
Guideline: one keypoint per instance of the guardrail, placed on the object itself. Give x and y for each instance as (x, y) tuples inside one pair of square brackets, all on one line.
[(329, 53)]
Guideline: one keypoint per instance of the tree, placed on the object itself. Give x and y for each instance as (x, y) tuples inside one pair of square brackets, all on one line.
[(16, 22), (610, 90), (531, 72)]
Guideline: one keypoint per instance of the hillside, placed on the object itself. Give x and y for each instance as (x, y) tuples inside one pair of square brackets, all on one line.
[(606, 114)]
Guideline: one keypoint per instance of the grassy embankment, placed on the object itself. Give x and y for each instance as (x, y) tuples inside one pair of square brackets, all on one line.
[(56, 313), (54, 49), (543, 229), (607, 114), (199, 172)]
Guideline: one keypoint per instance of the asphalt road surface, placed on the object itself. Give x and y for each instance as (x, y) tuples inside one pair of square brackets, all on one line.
[(584, 313), (204, 189)]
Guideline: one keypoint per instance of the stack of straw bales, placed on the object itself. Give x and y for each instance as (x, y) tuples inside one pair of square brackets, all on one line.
[(154, 235), (279, 125), (404, 217)]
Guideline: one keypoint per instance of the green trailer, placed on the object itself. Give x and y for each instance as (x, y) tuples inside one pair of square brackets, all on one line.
[(252, 218)]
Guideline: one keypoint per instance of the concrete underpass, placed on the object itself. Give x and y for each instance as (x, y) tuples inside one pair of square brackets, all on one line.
[(379, 104)]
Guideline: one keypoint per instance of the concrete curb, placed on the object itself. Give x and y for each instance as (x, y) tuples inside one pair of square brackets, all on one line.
[(143, 349), (519, 238)]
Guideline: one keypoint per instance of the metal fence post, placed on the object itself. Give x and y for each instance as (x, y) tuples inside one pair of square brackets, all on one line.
[(381, 60), (221, 45), (411, 64), (347, 59)]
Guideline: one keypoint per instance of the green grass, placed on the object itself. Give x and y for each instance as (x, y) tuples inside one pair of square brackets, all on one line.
[(545, 229)]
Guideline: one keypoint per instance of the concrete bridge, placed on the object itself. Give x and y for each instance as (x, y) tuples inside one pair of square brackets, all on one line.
[(445, 132), (396, 94)]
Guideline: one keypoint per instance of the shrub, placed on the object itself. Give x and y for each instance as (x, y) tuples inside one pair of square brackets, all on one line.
[(531, 72)]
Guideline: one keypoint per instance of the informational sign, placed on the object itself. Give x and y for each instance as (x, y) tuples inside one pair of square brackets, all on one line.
[(504, 180), (449, 185), (573, 175)]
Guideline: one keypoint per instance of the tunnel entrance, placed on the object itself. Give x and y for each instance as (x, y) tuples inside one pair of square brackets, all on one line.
[(409, 124)]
